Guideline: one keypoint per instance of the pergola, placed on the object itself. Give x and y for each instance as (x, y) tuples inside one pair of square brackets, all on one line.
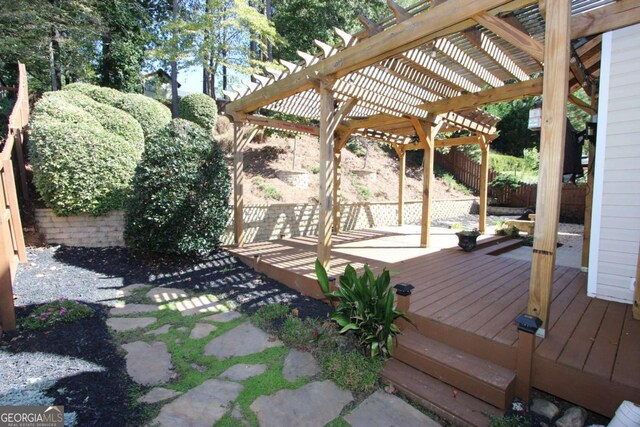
[(423, 72)]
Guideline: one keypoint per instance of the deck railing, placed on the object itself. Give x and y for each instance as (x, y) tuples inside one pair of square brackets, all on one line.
[(12, 249)]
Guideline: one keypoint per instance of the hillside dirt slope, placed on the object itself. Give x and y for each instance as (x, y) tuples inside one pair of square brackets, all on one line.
[(266, 155)]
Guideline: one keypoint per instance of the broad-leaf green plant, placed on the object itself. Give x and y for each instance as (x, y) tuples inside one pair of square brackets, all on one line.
[(365, 306)]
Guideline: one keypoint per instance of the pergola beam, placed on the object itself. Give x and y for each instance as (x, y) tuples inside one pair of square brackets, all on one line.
[(449, 17), (484, 43), (242, 135), (620, 14), (511, 34)]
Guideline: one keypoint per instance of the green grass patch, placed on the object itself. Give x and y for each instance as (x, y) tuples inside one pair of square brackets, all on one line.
[(61, 311), (508, 421), (266, 315), (338, 422), (300, 333), (351, 370)]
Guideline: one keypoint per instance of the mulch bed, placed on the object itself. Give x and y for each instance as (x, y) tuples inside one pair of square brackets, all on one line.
[(98, 398)]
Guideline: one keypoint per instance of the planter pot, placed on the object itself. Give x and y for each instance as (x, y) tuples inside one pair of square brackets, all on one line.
[(466, 242)]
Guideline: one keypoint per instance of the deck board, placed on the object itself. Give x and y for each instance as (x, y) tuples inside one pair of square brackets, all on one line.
[(470, 300)]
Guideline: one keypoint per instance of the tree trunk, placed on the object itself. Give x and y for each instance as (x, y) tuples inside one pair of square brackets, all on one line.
[(52, 64), (268, 13), (174, 71)]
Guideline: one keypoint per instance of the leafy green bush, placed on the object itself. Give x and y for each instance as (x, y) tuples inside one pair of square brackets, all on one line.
[(366, 306), (268, 191), (112, 119), (78, 166), (300, 333), (356, 147), (62, 311), (180, 193), (351, 370), (200, 109), (151, 114)]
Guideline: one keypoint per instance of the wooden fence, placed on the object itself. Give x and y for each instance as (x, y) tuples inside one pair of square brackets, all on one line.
[(467, 172), (12, 249)]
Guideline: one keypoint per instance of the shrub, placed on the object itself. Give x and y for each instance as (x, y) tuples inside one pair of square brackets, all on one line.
[(78, 166), (356, 146), (300, 333), (112, 119), (505, 181), (180, 193), (223, 133), (351, 370), (200, 109), (366, 306), (104, 95), (62, 311), (151, 114)]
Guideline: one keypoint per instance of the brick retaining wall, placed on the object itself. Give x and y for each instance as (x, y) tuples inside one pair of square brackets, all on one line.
[(262, 222)]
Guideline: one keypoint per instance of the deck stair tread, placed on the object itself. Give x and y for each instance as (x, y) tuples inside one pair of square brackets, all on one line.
[(481, 378), (500, 247), (486, 241), (456, 406)]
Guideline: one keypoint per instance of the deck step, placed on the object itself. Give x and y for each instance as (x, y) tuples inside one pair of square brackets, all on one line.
[(500, 247), (488, 241), (457, 407), (482, 379)]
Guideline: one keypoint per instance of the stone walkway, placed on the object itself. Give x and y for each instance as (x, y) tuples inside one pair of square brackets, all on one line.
[(314, 403)]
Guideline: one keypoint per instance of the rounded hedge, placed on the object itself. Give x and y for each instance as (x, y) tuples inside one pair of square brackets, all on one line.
[(180, 193), (151, 114), (104, 95), (200, 109), (112, 119), (78, 166)]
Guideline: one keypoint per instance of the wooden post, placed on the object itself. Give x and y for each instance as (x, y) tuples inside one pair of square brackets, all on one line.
[(427, 134), (484, 183), (325, 225), (337, 178), (401, 176), (7, 310), (554, 106), (524, 356), (241, 137)]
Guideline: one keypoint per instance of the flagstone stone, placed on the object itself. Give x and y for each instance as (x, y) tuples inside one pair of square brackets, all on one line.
[(133, 309), (121, 324), (312, 405), (201, 330), (127, 291), (148, 364), (240, 341), (242, 372), (158, 394), (161, 330), (225, 316), (201, 406), (382, 410), (299, 364), (161, 295)]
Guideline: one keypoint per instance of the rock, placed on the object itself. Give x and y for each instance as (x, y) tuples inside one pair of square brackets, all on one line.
[(544, 408), (158, 394), (201, 406), (160, 295), (148, 364), (299, 364), (573, 417), (127, 291), (120, 324), (382, 409), (240, 341), (182, 329), (200, 304), (242, 372), (198, 368), (132, 309), (161, 330), (312, 405), (201, 330), (223, 317), (237, 414)]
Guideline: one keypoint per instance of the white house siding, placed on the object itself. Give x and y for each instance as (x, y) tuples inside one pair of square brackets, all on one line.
[(616, 212)]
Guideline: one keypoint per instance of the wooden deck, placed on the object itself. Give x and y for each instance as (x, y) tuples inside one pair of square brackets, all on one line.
[(469, 301)]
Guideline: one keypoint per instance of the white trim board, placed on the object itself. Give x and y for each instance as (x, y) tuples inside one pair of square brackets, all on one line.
[(598, 181)]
